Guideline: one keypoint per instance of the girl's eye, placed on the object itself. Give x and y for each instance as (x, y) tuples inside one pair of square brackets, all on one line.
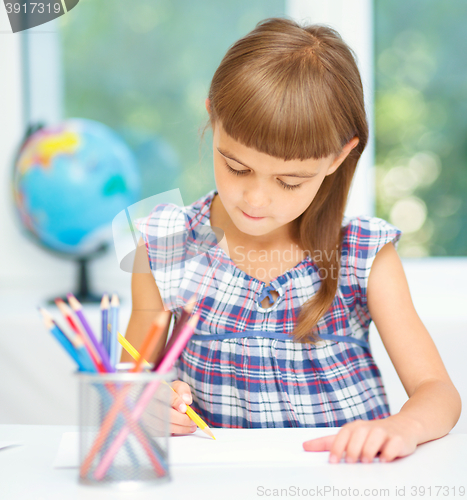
[(288, 186), (236, 172), (242, 172)]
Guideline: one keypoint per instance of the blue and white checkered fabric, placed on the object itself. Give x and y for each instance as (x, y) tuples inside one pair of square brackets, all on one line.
[(242, 364)]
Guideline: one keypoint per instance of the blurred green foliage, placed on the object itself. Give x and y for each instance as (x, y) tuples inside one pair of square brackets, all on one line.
[(144, 68), (421, 123)]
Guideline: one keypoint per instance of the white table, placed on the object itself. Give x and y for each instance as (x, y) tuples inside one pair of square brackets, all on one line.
[(26, 472)]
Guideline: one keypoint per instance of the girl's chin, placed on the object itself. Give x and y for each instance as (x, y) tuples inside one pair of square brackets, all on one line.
[(253, 228)]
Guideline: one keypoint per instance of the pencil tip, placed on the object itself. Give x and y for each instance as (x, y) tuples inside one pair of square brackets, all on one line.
[(43, 312), (193, 321), (46, 317), (114, 302), (105, 301), (162, 318), (73, 301), (208, 431), (189, 307)]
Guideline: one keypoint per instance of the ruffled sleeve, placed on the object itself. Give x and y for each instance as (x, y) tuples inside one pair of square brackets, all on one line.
[(363, 238)]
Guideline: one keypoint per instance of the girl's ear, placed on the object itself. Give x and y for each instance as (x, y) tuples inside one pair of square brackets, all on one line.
[(343, 155), (207, 102)]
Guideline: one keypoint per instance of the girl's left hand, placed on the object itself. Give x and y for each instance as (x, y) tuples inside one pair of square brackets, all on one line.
[(362, 440)]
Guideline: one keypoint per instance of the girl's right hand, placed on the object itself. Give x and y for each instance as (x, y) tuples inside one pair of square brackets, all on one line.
[(180, 423)]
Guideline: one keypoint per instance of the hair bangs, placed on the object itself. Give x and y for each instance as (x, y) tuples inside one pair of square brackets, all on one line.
[(279, 116)]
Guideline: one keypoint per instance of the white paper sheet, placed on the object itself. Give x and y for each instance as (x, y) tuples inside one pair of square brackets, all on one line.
[(7, 444), (68, 455), (247, 446), (231, 446)]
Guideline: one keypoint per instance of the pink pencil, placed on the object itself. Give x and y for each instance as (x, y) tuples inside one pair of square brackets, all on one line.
[(147, 395)]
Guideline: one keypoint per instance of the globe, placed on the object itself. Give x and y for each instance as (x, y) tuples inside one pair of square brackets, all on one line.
[(70, 180)]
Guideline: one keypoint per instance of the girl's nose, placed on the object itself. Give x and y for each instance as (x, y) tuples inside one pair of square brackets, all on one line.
[(257, 197)]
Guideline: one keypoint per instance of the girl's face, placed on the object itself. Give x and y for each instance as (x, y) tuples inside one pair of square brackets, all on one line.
[(262, 194)]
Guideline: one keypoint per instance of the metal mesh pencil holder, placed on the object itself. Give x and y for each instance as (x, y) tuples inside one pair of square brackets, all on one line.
[(124, 428)]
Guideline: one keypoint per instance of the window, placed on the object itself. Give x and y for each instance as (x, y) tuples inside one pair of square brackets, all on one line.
[(144, 68), (421, 119)]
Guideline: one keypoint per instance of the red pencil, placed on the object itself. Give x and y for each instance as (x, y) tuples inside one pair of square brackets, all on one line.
[(67, 313)]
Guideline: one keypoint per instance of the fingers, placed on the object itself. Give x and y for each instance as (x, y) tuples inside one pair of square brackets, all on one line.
[(354, 442), (319, 444), (182, 395), (180, 423), (394, 448), (339, 445), (156, 422), (155, 415), (361, 440), (357, 441), (373, 445)]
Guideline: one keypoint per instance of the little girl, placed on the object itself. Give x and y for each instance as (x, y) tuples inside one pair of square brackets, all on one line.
[(288, 294)]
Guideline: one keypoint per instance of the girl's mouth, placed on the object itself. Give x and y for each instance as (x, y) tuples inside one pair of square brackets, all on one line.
[(252, 218)]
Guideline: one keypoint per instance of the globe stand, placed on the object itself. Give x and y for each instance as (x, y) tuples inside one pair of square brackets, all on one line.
[(83, 292)]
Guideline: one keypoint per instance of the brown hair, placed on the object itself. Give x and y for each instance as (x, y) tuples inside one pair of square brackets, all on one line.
[(295, 92)]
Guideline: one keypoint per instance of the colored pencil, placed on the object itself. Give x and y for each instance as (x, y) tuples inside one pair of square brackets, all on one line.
[(148, 393), (186, 312), (60, 336), (150, 341), (189, 411), (105, 321), (130, 349), (113, 342), (76, 306), (157, 327), (68, 315), (86, 363)]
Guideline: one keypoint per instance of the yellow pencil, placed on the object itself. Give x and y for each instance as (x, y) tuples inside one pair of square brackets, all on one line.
[(130, 349), (189, 411)]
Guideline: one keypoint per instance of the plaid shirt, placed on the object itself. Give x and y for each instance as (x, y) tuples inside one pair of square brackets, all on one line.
[(242, 364)]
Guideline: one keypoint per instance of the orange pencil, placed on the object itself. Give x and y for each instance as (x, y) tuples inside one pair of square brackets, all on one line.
[(150, 341)]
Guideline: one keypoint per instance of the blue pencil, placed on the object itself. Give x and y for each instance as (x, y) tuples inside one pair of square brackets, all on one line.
[(105, 322), (114, 306), (62, 339)]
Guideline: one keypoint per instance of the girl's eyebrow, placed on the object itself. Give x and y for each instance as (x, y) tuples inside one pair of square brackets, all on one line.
[(301, 173)]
